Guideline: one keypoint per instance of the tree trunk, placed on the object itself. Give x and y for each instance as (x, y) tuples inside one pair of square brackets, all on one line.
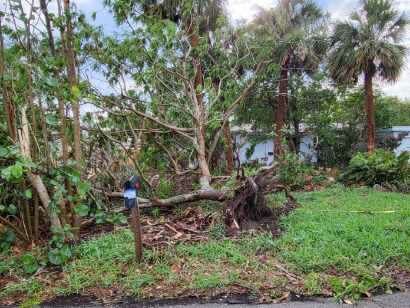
[(66, 208), (72, 79), (202, 194), (61, 105), (75, 104), (205, 179), (370, 113), (296, 137), (282, 107), (228, 149), (35, 179), (8, 105)]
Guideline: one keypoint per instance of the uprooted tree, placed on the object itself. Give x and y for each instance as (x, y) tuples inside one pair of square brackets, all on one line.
[(184, 80), (167, 90), (180, 77)]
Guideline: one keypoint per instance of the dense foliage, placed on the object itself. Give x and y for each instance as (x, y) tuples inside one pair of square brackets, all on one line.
[(380, 167)]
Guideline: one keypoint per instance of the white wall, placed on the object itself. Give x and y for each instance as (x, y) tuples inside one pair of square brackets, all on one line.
[(307, 151), (263, 149), (260, 154), (404, 146)]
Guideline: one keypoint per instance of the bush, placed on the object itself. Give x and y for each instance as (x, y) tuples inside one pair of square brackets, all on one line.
[(293, 171), (165, 188), (7, 238), (380, 167)]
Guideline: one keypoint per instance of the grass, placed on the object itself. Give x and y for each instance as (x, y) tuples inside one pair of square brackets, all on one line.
[(347, 229), (339, 241)]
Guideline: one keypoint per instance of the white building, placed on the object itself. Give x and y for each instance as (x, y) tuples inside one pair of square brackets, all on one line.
[(399, 133), (263, 152)]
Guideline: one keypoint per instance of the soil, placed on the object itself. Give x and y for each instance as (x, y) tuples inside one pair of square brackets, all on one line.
[(94, 229), (400, 276), (271, 223)]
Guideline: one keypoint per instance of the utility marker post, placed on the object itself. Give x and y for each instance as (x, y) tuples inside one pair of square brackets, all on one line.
[(136, 227), (131, 188)]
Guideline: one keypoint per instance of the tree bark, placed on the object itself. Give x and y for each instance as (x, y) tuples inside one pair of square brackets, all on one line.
[(61, 105), (205, 179), (202, 194), (370, 112), (42, 192), (228, 149), (8, 105), (282, 107), (72, 79), (75, 104), (35, 179)]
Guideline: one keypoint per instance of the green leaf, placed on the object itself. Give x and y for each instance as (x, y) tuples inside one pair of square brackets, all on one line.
[(13, 172), (12, 209), (16, 171), (58, 256), (81, 210), (4, 152), (28, 194), (83, 188), (75, 92), (29, 264), (54, 257), (9, 236), (51, 120)]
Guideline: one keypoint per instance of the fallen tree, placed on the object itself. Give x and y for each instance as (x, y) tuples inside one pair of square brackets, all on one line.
[(247, 202)]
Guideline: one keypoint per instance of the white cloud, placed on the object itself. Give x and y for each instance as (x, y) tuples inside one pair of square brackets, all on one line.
[(247, 9), (341, 10)]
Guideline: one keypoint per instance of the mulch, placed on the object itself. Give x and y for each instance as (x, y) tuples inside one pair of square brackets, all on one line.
[(191, 225)]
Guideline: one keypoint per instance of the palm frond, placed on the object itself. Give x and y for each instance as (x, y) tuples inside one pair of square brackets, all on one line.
[(369, 42)]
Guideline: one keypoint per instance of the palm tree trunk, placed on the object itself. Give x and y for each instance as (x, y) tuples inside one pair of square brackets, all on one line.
[(282, 107), (370, 112)]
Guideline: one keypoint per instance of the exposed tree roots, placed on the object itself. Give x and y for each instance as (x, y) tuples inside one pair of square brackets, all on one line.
[(249, 206)]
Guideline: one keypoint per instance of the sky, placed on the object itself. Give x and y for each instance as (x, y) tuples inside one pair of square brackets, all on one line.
[(246, 9), (339, 10)]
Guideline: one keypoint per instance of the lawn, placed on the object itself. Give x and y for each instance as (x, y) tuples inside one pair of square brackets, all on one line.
[(341, 242)]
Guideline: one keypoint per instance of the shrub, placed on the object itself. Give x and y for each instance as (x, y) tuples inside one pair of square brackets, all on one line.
[(380, 167), (29, 263), (7, 238), (59, 251), (293, 171), (164, 189)]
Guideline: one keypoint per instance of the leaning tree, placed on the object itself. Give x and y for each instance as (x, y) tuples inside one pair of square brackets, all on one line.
[(369, 44)]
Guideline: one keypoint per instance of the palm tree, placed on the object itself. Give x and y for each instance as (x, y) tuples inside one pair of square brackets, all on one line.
[(297, 32), (369, 44)]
